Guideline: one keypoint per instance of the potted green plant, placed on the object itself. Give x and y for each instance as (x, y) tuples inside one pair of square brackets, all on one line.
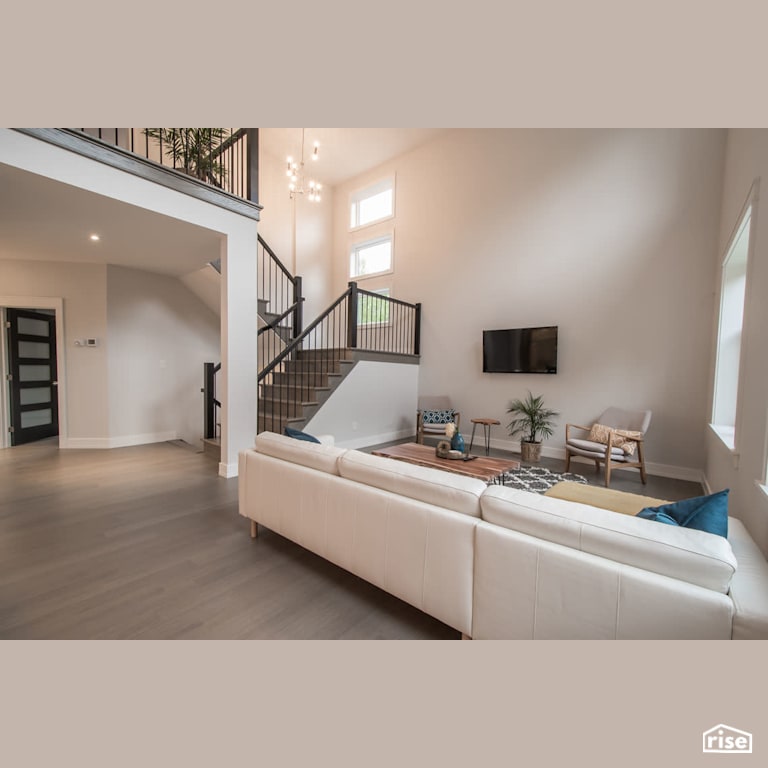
[(193, 150), (533, 421)]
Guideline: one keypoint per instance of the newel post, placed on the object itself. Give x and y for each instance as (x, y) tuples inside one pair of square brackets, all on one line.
[(352, 316)]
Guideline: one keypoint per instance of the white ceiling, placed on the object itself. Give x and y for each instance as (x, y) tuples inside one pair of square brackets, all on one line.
[(47, 220), (344, 152)]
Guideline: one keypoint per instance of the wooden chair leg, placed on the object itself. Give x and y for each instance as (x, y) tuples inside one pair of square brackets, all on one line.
[(642, 462), (567, 460), (607, 473), (254, 529)]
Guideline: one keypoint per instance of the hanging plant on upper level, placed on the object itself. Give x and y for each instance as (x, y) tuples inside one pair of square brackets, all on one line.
[(193, 151)]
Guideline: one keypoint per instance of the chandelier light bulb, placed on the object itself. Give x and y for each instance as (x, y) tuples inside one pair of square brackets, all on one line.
[(298, 185)]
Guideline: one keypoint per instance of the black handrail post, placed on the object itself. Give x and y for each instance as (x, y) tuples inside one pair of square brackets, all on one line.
[(298, 314), (417, 330), (252, 163), (209, 396), (352, 316)]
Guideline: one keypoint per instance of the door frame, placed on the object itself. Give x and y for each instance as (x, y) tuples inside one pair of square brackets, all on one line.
[(35, 302)]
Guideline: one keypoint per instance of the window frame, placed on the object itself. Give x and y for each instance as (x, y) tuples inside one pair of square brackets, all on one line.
[(358, 244), (729, 434), (363, 193)]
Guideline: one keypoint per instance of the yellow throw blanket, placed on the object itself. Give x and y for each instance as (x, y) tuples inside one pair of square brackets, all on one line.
[(605, 498)]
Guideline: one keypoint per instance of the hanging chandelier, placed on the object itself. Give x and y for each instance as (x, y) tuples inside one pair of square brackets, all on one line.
[(297, 184)]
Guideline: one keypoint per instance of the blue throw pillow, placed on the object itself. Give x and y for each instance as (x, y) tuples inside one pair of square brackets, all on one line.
[(704, 513), (298, 435), (437, 417)]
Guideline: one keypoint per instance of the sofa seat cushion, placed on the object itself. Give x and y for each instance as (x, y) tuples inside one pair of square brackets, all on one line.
[(318, 456), (433, 486), (598, 449), (748, 587), (694, 556)]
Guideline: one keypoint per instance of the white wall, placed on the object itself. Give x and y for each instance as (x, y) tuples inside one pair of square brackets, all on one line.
[(608, 234), (237, 246), (744, 471), (375, 403), (310, 255), (82, 287), (159, 336)]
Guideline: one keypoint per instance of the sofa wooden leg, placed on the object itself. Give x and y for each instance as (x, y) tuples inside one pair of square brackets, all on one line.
[(254, 529)]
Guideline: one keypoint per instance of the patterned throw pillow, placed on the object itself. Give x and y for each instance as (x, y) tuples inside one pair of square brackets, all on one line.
[(437, 417), (622, 438)]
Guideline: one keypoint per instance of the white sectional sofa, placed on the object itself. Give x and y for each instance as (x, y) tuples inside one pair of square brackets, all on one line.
[(497, 563)]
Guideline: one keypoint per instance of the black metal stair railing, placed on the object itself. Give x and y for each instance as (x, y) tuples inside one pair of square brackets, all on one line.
[(306, 370)]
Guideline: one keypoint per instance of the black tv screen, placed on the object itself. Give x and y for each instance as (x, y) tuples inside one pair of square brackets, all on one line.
[(520, 350)]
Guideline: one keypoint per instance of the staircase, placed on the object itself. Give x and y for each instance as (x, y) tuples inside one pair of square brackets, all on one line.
[(300, 369)]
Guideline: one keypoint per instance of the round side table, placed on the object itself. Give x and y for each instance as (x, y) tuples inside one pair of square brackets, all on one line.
[(487, 424)]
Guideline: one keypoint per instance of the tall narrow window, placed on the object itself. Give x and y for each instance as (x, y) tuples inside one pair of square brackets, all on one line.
[(372, 204), (729, 337)]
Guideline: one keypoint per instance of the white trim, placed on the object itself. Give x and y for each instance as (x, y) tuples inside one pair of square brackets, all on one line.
[(124, 441), (368, 440), (57, 305), (749, 207), (386, 237), (371, 190), (691, 474), (228, 470)]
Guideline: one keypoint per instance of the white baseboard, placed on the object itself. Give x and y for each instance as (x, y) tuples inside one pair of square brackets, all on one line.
[(690, 474), (385, 437), (123, 441), (228, 470)]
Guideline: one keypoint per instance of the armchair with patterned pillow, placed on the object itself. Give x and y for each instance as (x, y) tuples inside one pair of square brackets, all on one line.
[(615, 440), (435, 411)]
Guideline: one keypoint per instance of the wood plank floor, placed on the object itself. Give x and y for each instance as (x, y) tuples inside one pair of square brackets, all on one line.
[(146, 543)]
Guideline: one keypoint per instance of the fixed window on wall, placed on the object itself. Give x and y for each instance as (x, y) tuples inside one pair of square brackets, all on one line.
[(372, 204), (373, 309), (371, 257), (733, 287)]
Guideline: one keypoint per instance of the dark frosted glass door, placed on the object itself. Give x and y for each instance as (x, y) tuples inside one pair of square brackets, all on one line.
[(32, 358)]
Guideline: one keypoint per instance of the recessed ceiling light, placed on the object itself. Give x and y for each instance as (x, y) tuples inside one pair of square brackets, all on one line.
[(95, 237)]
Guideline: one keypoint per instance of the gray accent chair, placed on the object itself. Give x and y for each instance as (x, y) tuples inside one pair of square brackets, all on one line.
[(609, 454), (433, 403)]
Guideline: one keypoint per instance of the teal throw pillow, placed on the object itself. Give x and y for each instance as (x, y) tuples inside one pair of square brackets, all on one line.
[(704, 513), (299, 435)]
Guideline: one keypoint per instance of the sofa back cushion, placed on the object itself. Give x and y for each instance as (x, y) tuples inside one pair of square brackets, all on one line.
[(314, 455), (433, 486), (694, 556)]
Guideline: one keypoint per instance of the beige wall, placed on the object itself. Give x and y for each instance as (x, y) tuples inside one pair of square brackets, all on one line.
[(82, 287), (160, 334), (744, 471), (313, 235), (608, 234)]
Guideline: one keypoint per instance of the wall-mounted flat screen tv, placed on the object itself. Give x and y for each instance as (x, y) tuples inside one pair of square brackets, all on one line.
[(520, 350)]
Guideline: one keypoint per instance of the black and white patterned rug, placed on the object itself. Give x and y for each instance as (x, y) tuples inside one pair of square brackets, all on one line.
[(538, 479)]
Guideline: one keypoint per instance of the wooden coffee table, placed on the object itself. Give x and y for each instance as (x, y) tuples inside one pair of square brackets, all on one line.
[(480, 467)]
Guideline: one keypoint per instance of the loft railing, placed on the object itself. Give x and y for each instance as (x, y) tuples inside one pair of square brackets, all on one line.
[(227, 161), (357, 320)]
